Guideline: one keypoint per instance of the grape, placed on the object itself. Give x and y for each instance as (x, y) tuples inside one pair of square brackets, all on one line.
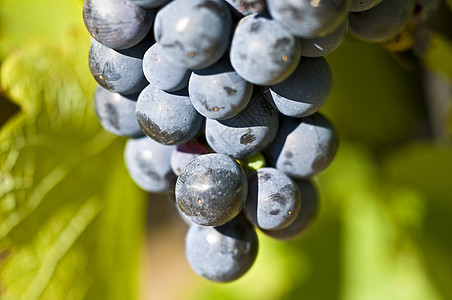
[(116, 112), (119, 71), (168, 118), (218, 92), (184, 153), (161, 73), (383, 21), (305, 91), (223, 253), (211, 189), (309, 209), (148, 163), (252, 130), (262, 51), (321, 46), (273, 199), (116, 24), (425, 9), (303, 147), (247, 7), (193, 34), (309, 18), (361, 5), (149, 3)]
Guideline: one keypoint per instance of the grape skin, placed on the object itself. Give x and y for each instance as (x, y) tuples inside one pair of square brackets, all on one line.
[(149, 3), (116, 113), (303, 147), (248, 133), (308, 212), (148, 163), (119, 71), (309, 18), (262, 51), (218, 92), (223, 253), (273, 200), (161, 73), (383, 21), (211, 190), (194, 34), (362, 5), (168, 118), (117, 24), (321, 46), (305, 91), (185, 153)]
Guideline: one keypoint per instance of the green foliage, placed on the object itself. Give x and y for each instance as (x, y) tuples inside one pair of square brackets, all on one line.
[(438, 55), (71, 219)]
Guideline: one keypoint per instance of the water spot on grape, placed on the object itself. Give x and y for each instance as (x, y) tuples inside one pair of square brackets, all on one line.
[(264, 176), (275, 212), (278, 198), (247, 138), (113, 116), (229, 90), (288, 154), (255, 27)]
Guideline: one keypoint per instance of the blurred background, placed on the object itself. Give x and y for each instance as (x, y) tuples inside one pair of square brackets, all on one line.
[(74, 226)]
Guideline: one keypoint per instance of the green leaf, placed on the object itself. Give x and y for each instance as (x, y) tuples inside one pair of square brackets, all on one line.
[(449, 2), (426, 168), (44, 21), (72, 219), (375, 100), (438, 55)]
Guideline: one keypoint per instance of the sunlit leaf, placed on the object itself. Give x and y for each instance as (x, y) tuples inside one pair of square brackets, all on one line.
[(438, 55), (72, 220)]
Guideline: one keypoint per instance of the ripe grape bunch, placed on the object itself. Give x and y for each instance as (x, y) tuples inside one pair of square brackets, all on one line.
[(220, 100)]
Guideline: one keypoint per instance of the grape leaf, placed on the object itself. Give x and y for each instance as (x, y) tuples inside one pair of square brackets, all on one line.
[(44, 21), (72, 220), (438, 55)]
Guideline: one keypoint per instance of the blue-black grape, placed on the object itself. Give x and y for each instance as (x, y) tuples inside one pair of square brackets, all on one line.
[(321, 46), (211, 189), (116, 113), (248, 133), (117, 24), (262, 51), (273, 200), (307, 214), (193, 34), (149, 3), (218, 92), (119, 71), (383, 21), (223, 253), (161, 73), (361, 5), (305, 91), (148, 163), (246, 7), (168, 118), (303, 147), (309, 18), (185, 153)]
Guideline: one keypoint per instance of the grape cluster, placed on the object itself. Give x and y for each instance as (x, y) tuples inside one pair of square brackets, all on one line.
[(220, 100)]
